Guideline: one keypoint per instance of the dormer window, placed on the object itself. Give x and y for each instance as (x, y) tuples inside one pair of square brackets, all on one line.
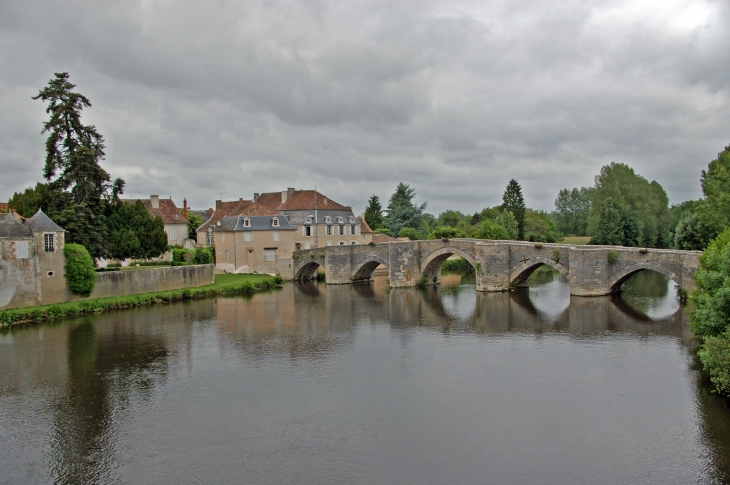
[(340, 220), (327, 220), (308, 220), (275, 222), (247, 222), (352, 220)]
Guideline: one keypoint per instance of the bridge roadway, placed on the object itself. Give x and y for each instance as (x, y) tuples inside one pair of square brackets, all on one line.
[(499, 265)]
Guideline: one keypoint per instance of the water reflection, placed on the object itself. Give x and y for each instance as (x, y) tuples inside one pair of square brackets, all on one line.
[(367, 384)]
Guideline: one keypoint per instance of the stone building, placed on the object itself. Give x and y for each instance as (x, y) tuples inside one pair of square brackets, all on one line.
[(31, 261)]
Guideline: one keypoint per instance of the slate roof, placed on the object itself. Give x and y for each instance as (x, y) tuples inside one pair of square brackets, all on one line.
[(258, 223), (225, 209), (167, 210), (41, 222), (203, 214), (12, 228), (300, 200)]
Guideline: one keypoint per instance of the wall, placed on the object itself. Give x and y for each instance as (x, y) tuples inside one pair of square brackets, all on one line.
[(17, 276), (250, 256)]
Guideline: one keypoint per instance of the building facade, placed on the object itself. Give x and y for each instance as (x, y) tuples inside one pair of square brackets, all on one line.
[(176, 224)]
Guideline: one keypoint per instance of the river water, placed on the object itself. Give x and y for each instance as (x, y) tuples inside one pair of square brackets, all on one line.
[(361, 384)]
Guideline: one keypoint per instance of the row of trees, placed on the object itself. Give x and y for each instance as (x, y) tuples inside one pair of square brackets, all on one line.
[(510, 220), (79, 194)]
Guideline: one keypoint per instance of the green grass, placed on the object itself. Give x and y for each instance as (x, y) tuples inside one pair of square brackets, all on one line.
[(225, 284), (578, 240)]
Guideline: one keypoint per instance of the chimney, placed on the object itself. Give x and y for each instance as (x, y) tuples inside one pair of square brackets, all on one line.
[(325, 201), (218, 205), (290, 192), (256, 196), (240, 199), (284, 195), (185, 207), (210, 212), (155, 201)]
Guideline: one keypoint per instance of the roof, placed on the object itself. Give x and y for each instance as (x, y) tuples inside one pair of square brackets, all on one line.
[(10, 226), (300, 200), (205, 215), (257, 223), (256, 209), (41, 222), (365, 228), (224, 209), (382, 238), (3, 207), (167, 210)]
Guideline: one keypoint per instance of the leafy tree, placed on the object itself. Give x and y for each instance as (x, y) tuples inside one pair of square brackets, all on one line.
[(714, 209), (539, 226), (710, 316), (194, 222), (79, 269), (203, 256), (80, 187), (402, 212), (513, 201), (441, 232), (610, 225), (30, 200), (571, 211), (488, 229), (134, 232), (410, 233), (507, 220), (450, 218), (374, 213), (632, 196), (691, 233)]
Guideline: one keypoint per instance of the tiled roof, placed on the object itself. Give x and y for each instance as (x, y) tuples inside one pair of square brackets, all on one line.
[(364, 228), (382, 238), (256, 209), (167, 210), (300, 200), (224, 209), (3, 207), (41, 222)]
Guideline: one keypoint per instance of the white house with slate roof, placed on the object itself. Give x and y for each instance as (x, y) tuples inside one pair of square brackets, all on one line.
[(31, 261)]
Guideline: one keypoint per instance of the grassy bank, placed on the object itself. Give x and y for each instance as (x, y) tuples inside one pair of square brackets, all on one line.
[(577, 240), (225, 284)]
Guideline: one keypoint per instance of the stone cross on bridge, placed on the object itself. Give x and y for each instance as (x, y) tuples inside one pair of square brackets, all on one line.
[(499, 265)]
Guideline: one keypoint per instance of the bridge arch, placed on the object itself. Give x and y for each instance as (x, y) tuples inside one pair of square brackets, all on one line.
[(618, 278), (432, 264), (306, 270), (520, 274), (365, 267)]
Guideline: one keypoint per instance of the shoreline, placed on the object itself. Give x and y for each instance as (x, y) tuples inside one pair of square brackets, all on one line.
[(224, 285)]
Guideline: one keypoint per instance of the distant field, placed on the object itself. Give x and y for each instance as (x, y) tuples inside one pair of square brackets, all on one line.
[(576, 239)]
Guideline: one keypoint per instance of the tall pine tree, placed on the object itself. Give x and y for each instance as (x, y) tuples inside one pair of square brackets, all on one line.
[(374, 213), (513, 201), (79, 185)]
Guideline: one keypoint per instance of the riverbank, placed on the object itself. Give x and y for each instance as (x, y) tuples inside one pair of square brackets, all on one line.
[(225, 284)]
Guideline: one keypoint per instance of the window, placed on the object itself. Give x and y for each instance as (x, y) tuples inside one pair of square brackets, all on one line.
[(340, 220), (269, 254), (48, 243), (226, 255), (328, 230), (209, 236), (247, 236), (308, 220), (341, 230), (353, 242), (223, 236), (352, 220), (275, 222), (247, 222), (173, 235), (276, 235), (353, 230), (21, 250), (342, 243), (307, 231), (327, 220)]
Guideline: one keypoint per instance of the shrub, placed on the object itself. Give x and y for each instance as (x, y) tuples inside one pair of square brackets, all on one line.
[(612, 256), (114, 265), (422, 282), (183, 255), (538, 245), (556, 255), (278, 279), (203, 256), (715, 358), (79, 268), (643, 251)]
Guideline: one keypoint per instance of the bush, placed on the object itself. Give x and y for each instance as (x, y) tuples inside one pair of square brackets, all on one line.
[(183, 255), (460, 265), (114, 265), (203, 256), (612, 256), (79, 269), (715, 358)]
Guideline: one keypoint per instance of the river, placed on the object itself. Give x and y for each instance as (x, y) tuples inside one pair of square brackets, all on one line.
[(316, 384)]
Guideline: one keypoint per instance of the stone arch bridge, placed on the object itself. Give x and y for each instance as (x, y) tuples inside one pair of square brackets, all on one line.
[(499, 265)]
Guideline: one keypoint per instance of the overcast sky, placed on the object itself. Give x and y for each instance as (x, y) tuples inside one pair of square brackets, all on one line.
[(454, 98)]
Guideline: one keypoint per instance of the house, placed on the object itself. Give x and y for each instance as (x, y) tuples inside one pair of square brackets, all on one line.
[(383, 238), (319, 220), (31, 261), (176, 223), (222, 209), (3, 207), (254, 239)]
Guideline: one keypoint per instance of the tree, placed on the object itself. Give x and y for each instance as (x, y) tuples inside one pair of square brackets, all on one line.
[(571, 211), (642, 205), (402, 212), (692, 234), (507, 220), (714, 209), (79, 185), (194, 222), (450, 218), (374, 213), (513, 201), (610, 226), (134, 232), (539, 226), (30, 200)]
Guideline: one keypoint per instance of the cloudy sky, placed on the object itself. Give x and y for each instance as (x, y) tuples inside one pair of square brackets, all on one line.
[(455, 98)]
